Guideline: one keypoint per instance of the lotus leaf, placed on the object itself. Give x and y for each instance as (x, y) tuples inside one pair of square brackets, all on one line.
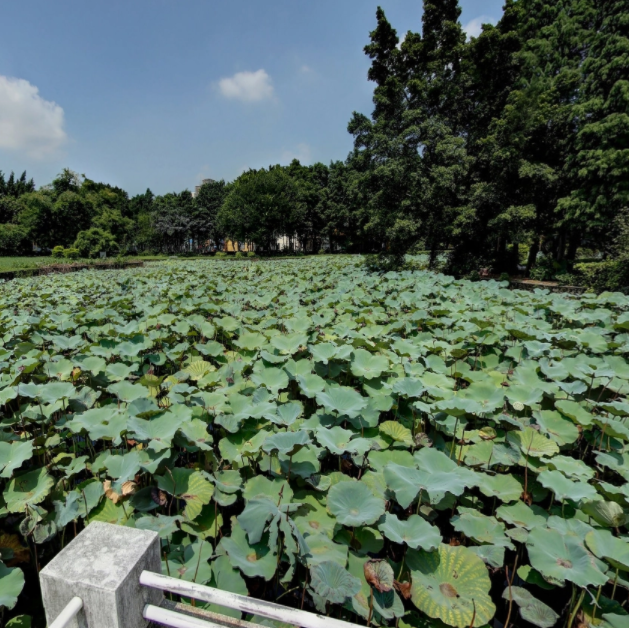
[(416, 532), (563, 488), (13, 455), (27, 489), (342, 400), (189, 485), (560, 557), (608, 547), (451, 584), (332, 582), (353, 504), (11, 585)]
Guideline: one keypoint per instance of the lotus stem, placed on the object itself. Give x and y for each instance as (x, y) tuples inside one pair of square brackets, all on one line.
[(576, 608), (196, 571), (456, 424), (370, 608), (615, 583), (598, 595), (510, 597)]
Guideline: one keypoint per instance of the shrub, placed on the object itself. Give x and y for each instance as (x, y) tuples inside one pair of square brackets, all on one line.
[(504, 277), (58, 251), (545, 269), (72, 253), (473, 276), (221, 254), (321, 251), (13, 239), (251, 254), (238, 254), (91, 242), (608, 276)]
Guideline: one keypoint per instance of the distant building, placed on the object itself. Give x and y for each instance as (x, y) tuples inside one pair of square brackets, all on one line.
[(203, 182)]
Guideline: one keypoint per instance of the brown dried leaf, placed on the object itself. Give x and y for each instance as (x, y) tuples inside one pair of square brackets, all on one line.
[(159, 497), (20, 553), (379, 574), (403, 588)]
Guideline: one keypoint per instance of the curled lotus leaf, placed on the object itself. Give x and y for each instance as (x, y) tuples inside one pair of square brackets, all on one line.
[(531, 609), (451, 584), (353, 504), (332, 582), (189, 485), (608, 514), (532, 443), (397, 432), (198, 369), (379, 574)]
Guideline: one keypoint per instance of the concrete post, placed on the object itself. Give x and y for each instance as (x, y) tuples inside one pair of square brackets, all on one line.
[(102, 566)]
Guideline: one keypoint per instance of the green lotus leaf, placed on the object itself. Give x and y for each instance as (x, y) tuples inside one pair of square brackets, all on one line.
[(106, 422), (226, 578), (343, 400), (13, 455), (353, 504), (123, 467), (287, 413), (196, 434), (416, 532), (614, 620), (190, 562), (163, 525), (118, 371), (127, 392), (531, 609), (519, 514), (491, 555), (504, 487), (397, 432), (262, 486), (563, 488), (409, 387), (189, 485), (532, 443), (158, 431), (440, 475), (288, 443), (563, 431), (332, 582), (54, 391), (378, 460), (323, 351), (560, 557), (575, 411), (255, 561), (608, 514), (336, 440), (11, 585), (27, 489), (321, 549), (367, 365), (603, 544), (481, 528), (229, 481), (570, 467), (405, 482), (273, 378), (310, 384), (289, 343), (451, 584), (251, 341)]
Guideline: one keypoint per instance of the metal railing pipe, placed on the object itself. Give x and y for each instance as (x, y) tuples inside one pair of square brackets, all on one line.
[(242, 603), (176, 620), (68, 613)]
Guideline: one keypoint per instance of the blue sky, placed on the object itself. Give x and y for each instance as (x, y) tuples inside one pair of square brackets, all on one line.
[(162, 93)]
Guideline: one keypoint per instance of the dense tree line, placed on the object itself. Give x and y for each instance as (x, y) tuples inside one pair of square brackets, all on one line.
[(498, 148)]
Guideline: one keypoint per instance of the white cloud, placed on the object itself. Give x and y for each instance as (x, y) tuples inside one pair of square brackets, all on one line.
[(247, 86), (306, 69), (474, 27), (28, 123), (302, 153)]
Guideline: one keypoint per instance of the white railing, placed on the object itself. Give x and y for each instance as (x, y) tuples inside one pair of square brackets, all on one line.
[(68, 613), (242, 603), (108, 576)]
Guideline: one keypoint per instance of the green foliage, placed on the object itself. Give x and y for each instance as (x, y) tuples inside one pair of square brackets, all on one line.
[(14, 239), (71, 253), (92, 242), (251, 254), (341, 433), (238, 255), (608, 276), (58, 251)]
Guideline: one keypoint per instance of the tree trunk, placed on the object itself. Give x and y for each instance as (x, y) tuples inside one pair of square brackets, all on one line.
[(533, 251)]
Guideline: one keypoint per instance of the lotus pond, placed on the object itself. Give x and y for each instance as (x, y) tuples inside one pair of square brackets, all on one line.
[(403, 449)]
